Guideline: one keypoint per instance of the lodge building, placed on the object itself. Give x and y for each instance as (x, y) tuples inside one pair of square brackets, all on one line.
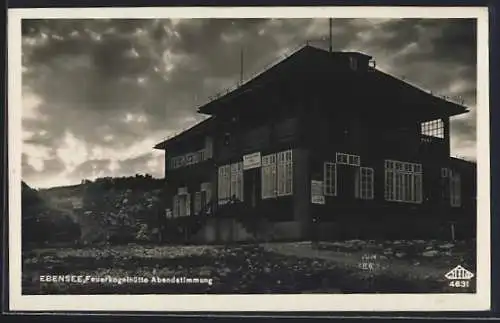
[(323, 145)]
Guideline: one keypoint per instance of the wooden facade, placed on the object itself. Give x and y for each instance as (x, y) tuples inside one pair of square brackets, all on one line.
[(322, 145)]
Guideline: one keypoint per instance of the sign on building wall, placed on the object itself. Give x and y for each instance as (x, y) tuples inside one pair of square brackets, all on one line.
[(251, 161), (317, 196)]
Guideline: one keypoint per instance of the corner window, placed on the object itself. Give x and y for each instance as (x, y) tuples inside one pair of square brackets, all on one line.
[(455, 189), (434, 128), (330, 179)]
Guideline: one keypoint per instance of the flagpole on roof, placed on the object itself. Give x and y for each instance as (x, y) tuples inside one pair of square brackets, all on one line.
[(241, 66), (330, 40)]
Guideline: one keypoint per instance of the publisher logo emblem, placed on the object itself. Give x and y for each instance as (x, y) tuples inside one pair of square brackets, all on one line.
[(459, 273)]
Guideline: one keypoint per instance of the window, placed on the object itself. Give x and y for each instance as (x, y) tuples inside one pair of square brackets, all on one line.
[(269, 177), (176, 206), (285, 173), (224, 184), (455, 189), (364, 185), (182, 205), (347, 159), (342, 158), (277, 174), (445, 172), (197, 202), (403, 182), (330, 179), (434, 128), (206, 194), (230, 182), (187, 201), (237, 181), (175, 162)]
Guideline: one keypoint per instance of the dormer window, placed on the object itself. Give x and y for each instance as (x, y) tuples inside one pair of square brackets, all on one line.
[(372, 64)]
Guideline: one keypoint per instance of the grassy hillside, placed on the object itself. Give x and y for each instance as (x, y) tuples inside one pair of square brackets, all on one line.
[(43, 223), (106, 210)]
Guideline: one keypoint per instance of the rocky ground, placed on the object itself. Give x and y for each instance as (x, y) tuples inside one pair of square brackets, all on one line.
[(338, 267), (81, 226)]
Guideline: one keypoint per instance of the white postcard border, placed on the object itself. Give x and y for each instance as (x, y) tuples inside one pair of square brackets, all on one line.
[(271, 303)]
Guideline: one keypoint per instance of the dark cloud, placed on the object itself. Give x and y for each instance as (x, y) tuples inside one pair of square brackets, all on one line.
[(113, 83)]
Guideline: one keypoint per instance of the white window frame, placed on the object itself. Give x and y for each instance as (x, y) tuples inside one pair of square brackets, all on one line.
[(365, 183), (330, 179), (197, 203), (285, 173), (269, 176), (277, 174), (403, 182), (224, 184), (230, 182), (236, 188), (182, 205), (433, 128), (455, 189), (175, 206), (348, 159), (207, 188), (188, 204)]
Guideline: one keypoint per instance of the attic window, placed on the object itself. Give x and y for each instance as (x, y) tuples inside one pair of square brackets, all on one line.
[(434, 128)]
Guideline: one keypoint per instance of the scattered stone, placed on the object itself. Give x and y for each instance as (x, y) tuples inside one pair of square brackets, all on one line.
[(430, 253), (447, 246), (388, 252), (400, 254)]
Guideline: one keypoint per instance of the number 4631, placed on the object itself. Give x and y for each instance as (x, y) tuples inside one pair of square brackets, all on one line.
[(459, 283)]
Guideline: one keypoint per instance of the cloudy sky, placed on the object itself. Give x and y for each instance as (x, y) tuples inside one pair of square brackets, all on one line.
[(98, 94)]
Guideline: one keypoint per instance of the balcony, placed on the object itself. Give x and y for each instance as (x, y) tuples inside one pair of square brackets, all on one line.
[(189, 159)]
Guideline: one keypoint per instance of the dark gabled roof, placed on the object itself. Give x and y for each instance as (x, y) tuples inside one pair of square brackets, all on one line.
[(270, 75), (197, 129), (390, 86), (319, 60)]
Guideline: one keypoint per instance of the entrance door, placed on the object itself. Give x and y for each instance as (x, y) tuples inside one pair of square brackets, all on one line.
[(346, 176)]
